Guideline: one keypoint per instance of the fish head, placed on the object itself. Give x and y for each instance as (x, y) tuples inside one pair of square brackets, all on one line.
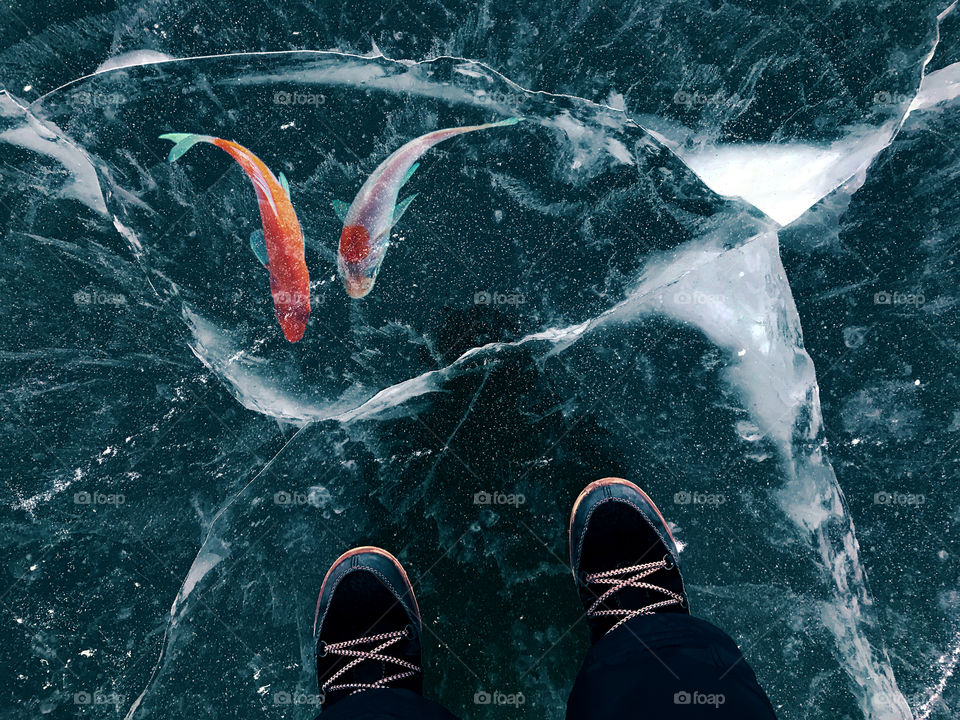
[(357, 286), (358, 278), (293, 311), (359, 260)]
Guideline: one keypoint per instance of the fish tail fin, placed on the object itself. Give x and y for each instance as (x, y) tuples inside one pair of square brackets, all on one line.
[(410, 172), (182, 143), (487, 126), (504, 123)]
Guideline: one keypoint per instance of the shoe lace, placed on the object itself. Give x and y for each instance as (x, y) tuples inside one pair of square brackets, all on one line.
[(633, 576), (353, 649)]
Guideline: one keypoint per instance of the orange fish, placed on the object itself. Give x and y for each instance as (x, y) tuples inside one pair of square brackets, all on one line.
[(279, 246)]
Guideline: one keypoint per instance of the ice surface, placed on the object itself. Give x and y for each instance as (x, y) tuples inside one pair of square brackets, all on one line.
[(938, 87), (571, 297)]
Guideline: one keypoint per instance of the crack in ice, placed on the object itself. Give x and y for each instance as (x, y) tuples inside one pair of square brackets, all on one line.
[(811, 496), (195, 574)]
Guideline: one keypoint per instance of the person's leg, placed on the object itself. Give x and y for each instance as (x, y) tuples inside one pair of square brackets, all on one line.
[(648, 654), (386, 704), (367, 630)]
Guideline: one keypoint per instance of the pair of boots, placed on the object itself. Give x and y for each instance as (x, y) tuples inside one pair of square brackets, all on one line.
[(648, 654)]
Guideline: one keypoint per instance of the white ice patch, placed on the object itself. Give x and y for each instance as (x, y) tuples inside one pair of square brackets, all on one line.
[(134, 58), (586, 145), (206, 560), (935, 87), (470, 72), (243, 372), (784, 180), (46, 140), (781, 179), (353, 74), (129, 235), (938, 87), (255, 385), (393, 396), (619, 151)]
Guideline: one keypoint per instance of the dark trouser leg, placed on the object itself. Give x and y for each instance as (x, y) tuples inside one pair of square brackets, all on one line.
[(386, 704), (667, 665)]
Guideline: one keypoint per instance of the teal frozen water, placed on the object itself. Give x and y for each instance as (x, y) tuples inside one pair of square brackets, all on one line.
[(725, 270)]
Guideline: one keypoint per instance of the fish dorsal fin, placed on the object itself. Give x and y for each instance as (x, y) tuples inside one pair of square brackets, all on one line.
[(402, 207), (259, 246), (341, 208), (410, 172), (284, 184)]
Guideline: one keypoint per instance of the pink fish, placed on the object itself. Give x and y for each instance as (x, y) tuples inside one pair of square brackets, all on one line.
[(368, 220)]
